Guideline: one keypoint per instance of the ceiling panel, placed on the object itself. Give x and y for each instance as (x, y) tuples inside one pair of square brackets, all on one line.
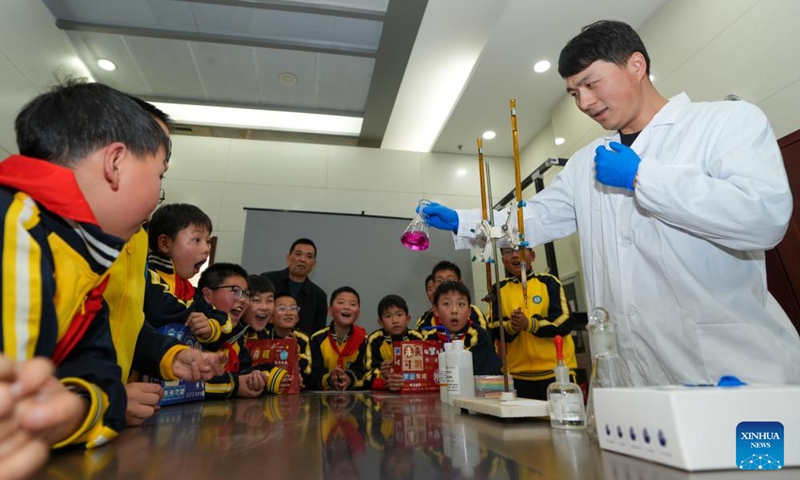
[(228, 72), (168, 67), (343, 82), (139, 13), (271, 63)]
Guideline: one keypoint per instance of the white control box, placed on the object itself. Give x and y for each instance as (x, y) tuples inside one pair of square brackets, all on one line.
[(751, 427)]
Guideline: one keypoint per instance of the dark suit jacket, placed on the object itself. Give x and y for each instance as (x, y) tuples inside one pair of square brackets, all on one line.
[(312, 300)]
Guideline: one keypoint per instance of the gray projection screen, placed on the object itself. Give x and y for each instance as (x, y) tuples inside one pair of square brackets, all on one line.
[(361, 251)]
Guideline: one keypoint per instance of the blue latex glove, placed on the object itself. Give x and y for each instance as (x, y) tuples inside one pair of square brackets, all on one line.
[(438, 216), (616, 167)]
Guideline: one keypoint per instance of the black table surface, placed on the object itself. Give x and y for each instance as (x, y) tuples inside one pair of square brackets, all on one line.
[(351, 436)]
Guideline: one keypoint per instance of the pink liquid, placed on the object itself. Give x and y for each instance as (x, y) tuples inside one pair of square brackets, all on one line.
[(416, 241)]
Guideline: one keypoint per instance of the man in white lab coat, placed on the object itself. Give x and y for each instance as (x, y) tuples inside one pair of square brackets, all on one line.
[(674, 208)]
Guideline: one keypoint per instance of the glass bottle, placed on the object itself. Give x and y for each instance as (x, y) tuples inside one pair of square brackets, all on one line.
[(415, 236), (564, 398), (608, 368)]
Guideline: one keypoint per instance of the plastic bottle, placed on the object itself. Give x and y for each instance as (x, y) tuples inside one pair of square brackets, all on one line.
[(564, 398), (443, 393), (460, 379)]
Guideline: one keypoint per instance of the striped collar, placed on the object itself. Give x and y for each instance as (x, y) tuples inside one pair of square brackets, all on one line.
[(161, 263)]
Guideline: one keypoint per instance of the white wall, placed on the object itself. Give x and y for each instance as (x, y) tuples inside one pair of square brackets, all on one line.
[(223, 176)]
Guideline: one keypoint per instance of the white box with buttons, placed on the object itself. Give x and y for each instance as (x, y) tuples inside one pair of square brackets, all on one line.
[(749, 427)]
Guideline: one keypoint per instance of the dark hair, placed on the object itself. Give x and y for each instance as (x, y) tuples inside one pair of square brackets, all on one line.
[(75, 118), (153, 110), (429, 278), (214, 275), (607, 40), (445, 265), (303, 241), (284, 294), (342, 290), (171, 219), (450, 286), (258, 284), (392, 301)]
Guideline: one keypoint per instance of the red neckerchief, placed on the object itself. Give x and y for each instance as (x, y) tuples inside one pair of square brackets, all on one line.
[(233, 359), (50, 185), (80, 322), (354, 341), (183, 289)]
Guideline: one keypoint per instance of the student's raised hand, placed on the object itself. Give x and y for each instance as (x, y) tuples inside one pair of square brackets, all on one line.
[(199, 325), (21, 452), (518, 321), (394, 383), (143, 401), (617, 166)]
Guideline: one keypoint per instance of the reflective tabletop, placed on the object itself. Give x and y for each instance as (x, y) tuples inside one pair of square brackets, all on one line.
[(355, 435)]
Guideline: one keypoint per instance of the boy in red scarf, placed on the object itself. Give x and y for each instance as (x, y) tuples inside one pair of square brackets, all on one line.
[(337, 351)]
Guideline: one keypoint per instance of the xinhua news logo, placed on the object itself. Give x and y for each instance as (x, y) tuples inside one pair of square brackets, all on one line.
[(759, 446)]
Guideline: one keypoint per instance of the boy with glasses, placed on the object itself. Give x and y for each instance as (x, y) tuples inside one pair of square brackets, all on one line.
[(224, 285), (272, 317)]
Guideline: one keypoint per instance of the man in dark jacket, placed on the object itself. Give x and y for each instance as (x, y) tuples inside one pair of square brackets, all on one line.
[(312, 300)]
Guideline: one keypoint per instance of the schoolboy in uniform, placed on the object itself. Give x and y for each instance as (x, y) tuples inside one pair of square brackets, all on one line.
[(80, 188), (530, 327), (180, 243), (337, 351), (451, 304), (136, 342), (445, 271), (224, 285), (274, 318), (393, 319)]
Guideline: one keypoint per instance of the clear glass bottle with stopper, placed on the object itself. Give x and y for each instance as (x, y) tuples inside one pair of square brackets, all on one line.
[(564, 398), (608, 368)]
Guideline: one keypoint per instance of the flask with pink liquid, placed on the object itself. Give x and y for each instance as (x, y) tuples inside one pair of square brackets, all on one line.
[(415, 236)]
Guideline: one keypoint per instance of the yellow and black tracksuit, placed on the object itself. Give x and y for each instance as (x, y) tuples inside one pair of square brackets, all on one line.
[(327, 353), (379, 348), (428, 319), (303, 347), (240, 363), (161, 307), (136, 342), (484, 359), (55, 265), (531, 353)]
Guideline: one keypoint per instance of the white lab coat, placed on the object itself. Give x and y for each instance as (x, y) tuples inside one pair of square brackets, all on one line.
[(679, 263)]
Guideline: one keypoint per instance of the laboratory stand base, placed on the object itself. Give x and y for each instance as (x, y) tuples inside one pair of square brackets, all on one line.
[(520, 408)]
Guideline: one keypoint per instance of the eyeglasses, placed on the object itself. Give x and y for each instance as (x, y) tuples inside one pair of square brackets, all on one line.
[(284, 309), (162, 195), (507, 252), (236, 291)]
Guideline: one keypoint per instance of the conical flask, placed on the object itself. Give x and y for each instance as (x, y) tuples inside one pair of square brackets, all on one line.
[(608, 368), (415, 236)]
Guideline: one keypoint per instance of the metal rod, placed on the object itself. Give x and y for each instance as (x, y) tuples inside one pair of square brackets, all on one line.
[(488, 195), (520, 213)]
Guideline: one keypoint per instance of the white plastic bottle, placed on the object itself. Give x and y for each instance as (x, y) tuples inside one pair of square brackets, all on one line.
[(443, 394), (564, 398), (460, 379)]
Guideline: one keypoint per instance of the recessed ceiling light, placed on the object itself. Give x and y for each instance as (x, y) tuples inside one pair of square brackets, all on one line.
[(541, 66), (560, 140), (488, 135), (106, 65), (287, 78)]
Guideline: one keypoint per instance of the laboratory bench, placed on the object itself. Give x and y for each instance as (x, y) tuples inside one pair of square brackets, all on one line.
[(355, 436)]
